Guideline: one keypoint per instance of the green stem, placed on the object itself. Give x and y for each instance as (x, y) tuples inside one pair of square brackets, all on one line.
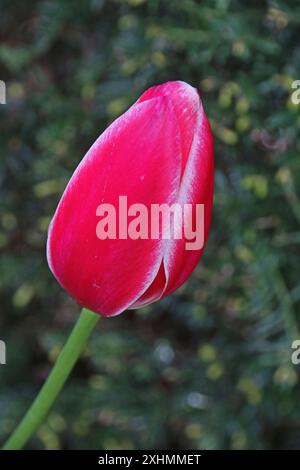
[(53, 385)]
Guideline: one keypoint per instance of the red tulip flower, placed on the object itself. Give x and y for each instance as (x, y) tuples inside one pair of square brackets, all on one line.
[(158, 152), (126, 231)]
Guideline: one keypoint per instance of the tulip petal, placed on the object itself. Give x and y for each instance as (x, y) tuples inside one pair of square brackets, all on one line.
[(186, 103), (137, 156), (154, 291), (196, 188)]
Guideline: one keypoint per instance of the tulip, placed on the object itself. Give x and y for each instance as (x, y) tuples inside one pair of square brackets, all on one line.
[(160, 151)]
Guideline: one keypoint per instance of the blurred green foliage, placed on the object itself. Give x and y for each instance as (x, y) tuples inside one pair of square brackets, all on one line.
[(210, 366)]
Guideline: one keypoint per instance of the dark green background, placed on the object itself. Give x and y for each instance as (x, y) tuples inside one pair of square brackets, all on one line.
[(210, 367)]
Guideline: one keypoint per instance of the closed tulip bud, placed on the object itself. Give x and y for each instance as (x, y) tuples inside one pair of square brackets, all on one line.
[(154, 162)]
